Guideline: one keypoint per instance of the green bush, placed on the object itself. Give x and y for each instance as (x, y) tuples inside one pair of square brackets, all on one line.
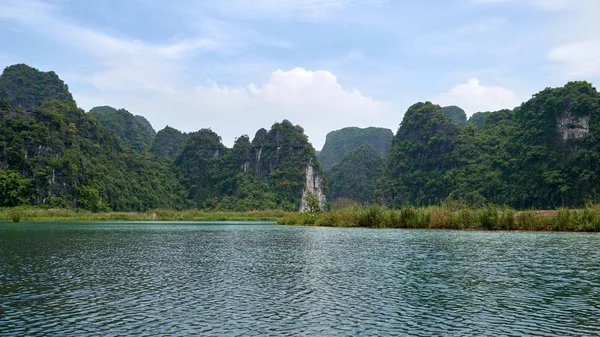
[(489, 218), (17, 214)]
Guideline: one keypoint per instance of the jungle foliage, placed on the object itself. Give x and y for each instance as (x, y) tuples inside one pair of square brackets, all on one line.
[(542, 155), (341, 142), (356, 176), (456, 115), (135, 132)]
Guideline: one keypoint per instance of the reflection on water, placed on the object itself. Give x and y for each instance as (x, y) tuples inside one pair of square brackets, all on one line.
[(185, 279)]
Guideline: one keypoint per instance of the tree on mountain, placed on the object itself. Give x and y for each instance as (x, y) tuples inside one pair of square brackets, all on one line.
[(356, 176)]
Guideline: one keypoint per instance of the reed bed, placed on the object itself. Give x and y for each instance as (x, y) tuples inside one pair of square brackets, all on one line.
[(66, 214), (440, 217), (434, 217)]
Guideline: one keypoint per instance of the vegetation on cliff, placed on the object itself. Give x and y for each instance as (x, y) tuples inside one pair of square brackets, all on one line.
[(58, 155), (134, 132), (168, 142), (22, 86), (267, 173), (341, 142), (544, 154), (456, 115), (356, 176)]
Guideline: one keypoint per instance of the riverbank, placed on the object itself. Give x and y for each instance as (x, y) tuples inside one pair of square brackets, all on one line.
[(435, 217), (67, 214)]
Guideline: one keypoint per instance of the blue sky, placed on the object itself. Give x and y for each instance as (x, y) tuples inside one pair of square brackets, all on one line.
[(239, 65)]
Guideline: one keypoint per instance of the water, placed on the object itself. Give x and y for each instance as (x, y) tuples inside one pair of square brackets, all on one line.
[(190, 279)]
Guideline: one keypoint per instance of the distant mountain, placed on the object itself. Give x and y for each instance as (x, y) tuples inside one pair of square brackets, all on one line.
[(135, 132), (422, 153), (456, 115), (478, 119), (543, 154), (274, 171), (26, 87), (168, 142), (355, 177), (341, 142)]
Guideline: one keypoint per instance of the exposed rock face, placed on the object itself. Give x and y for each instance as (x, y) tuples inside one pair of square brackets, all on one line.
[(314, 185), (571, 127)]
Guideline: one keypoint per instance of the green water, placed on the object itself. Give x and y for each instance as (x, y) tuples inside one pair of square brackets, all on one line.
[(74, 279)]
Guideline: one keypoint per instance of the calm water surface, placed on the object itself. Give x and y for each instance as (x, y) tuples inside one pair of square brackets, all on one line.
[(196, 279)]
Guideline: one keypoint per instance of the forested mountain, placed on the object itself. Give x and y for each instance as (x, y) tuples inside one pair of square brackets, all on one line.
[(422, 152), (544, 154), (168, 142), (57, 155), (26, 87), (478, 119), (341, 142), (355, 177), (456, 115), (270, 172), (135, 132)]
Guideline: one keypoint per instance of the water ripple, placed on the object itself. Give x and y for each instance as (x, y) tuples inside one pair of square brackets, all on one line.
[(181, 280)]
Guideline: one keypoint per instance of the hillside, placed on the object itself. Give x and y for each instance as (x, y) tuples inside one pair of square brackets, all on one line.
[(456, 115), (134, 132), (274, 171), (542, 155), (341, 142), (355, 177), (168, 142), (26, 87)]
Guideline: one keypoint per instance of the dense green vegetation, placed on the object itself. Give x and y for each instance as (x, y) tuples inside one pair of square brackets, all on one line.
[(356, 176), (341, 142), (134, 132), (24, 87), (456, 115), (478, 119), (422, 153), (29, 213), (267, 173), (55, 155), (168, 142), (544, 154), (447, 217)]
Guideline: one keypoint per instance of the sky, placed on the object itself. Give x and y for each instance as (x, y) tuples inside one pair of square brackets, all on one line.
[(239, 65)]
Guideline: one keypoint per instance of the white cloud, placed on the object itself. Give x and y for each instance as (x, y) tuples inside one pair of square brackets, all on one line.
[(580, 59), (474, 97), (313, 99), (152, 79), (574, 34), (579, 53)]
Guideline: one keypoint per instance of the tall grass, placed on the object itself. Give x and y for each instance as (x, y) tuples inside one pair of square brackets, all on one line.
[(68, 214), (433, 217), (440, 217)]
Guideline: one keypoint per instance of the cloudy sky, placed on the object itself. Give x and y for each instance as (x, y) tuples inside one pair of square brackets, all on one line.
[(238, 65)]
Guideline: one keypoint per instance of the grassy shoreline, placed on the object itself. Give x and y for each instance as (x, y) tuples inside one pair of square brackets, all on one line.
[(434, 217), (67, 214), (438, 217)]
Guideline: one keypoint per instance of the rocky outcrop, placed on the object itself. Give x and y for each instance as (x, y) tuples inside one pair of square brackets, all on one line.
[(315, 185), (571, 127)]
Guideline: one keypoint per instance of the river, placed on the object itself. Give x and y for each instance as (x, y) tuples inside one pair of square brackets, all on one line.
[(180, 279)]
